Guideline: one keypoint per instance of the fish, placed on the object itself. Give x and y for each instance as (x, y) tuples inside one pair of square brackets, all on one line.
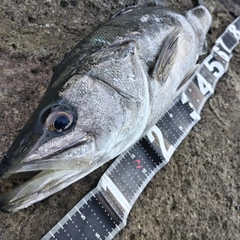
[(104, 96)]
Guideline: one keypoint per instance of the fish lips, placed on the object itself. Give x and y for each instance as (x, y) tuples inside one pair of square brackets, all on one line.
[(37, 188), (47, 176), (22, 168)]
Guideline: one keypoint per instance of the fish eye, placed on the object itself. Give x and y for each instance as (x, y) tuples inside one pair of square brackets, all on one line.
[(59, 120)]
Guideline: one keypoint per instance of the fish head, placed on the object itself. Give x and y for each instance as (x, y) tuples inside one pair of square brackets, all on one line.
[(69, 135), (68, 131)]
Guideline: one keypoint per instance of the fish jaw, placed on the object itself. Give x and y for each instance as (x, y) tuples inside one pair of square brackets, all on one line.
[(37, 188), (62, 161), (48, 175)]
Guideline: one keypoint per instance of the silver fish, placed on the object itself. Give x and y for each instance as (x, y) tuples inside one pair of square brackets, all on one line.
[(104, 96)]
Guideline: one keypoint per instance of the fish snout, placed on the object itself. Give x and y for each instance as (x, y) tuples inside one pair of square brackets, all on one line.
[(7, 166), (11, 163)]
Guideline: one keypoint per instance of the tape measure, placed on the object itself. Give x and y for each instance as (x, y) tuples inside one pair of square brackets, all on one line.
[(103, 212)]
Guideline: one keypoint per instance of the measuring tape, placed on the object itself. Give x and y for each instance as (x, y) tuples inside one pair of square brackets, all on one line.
[(103, 212)]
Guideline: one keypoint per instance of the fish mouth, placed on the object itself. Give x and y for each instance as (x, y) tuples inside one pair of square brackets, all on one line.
[(46, 176), (26, 167), (38, 188)]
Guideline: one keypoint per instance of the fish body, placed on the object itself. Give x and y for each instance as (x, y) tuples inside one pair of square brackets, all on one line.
[(103, 97)]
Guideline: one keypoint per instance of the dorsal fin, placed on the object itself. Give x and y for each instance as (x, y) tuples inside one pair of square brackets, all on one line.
[(123, 11), (166, 57), (145, 3)]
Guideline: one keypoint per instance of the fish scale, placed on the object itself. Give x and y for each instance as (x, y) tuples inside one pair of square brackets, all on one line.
[(103, 212)]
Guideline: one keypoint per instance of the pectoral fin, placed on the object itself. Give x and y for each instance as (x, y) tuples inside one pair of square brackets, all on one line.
[(166, 57)]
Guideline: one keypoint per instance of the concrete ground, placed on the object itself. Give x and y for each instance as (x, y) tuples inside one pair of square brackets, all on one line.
[(196, 196)]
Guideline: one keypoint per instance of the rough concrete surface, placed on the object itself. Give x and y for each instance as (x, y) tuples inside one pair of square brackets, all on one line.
[(196, 196)]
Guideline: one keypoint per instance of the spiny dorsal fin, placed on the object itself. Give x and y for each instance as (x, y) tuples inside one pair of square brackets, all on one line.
[(166, 57), (124, 11)]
